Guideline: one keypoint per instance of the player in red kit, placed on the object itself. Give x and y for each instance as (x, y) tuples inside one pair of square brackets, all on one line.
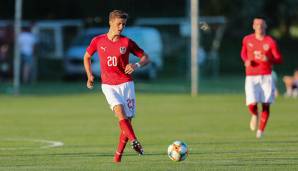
[(117, 83), (259, 52)]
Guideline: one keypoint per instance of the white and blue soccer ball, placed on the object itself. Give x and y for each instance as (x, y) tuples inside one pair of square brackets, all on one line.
[(178, 151)]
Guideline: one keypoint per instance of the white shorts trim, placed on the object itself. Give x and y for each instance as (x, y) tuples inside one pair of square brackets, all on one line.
[(259, 89), (121, 94)]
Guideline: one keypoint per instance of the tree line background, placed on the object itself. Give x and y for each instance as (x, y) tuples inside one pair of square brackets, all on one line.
[(281, 15)]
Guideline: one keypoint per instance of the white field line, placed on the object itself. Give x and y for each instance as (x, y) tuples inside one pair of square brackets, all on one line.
[(48, 143)]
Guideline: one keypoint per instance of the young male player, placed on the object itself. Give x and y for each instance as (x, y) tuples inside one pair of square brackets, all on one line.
[(117, 83), (259, 52), (291, 83)]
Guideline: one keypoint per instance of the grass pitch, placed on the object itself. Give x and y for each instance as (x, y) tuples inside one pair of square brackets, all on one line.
[(215, 127)]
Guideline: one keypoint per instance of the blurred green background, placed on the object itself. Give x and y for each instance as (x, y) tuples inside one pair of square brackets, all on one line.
[(282, 18)]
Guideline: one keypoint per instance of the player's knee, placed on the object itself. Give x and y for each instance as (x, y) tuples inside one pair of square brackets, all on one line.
[(252, 104), (253, 108), (265, 105), (119, 111)]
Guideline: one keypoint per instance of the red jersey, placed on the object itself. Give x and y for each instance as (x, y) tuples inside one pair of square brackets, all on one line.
[(255, 50), (114, 56)]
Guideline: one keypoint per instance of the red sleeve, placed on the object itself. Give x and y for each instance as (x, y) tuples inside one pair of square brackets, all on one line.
[(135, 49), (92, 47), (277, 57), (244, 50)]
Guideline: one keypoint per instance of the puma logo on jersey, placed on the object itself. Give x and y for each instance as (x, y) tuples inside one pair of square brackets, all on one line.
[(103, 48)]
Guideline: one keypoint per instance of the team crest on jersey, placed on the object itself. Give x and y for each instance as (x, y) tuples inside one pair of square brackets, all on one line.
[(122, 50), (266, 47)]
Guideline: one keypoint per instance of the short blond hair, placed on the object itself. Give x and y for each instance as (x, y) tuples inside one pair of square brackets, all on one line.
[(117, 14)]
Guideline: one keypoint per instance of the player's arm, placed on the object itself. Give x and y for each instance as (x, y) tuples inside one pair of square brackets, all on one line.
[(144, 60), (244, 56), (277, 57), (87, 65)]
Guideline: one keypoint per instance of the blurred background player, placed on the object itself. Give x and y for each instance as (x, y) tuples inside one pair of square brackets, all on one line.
[(275, 80), (27, 41), (117, 82), (291, 83), (259, 52)]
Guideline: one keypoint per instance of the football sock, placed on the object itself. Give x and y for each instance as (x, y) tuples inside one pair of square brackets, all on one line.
[(121, 146), (253, 108), (126, 127), (264, 117)]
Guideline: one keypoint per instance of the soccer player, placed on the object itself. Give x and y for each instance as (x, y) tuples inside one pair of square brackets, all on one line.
[(291, 83), (259, 52), (117, 83)]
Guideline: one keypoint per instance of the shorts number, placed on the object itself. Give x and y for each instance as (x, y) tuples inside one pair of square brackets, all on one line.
[(112, 61), (130, 104)]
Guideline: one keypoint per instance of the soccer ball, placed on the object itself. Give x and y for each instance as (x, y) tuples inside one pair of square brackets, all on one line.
[(177, 151)]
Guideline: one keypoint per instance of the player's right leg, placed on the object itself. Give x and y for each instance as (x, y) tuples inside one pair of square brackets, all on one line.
[(253, 108), (126, 127), (252, 97)]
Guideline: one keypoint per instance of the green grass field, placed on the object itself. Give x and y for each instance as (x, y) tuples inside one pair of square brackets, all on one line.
[(215, 127)]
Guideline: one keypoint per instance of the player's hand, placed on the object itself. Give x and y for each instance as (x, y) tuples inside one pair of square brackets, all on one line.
[(264, 58), (247, 63), (130, 68), (90, 82)]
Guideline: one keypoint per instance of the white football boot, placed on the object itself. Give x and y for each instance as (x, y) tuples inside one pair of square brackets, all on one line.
[(259, 134)]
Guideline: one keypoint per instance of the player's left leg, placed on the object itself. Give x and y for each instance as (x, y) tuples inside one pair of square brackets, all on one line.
[(124, 122), (117, 102), (268, 97), (121, 146), (253, 108), (264, 119)]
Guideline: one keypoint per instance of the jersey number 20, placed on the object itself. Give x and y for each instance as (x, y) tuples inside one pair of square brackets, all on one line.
[(112, 61)]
